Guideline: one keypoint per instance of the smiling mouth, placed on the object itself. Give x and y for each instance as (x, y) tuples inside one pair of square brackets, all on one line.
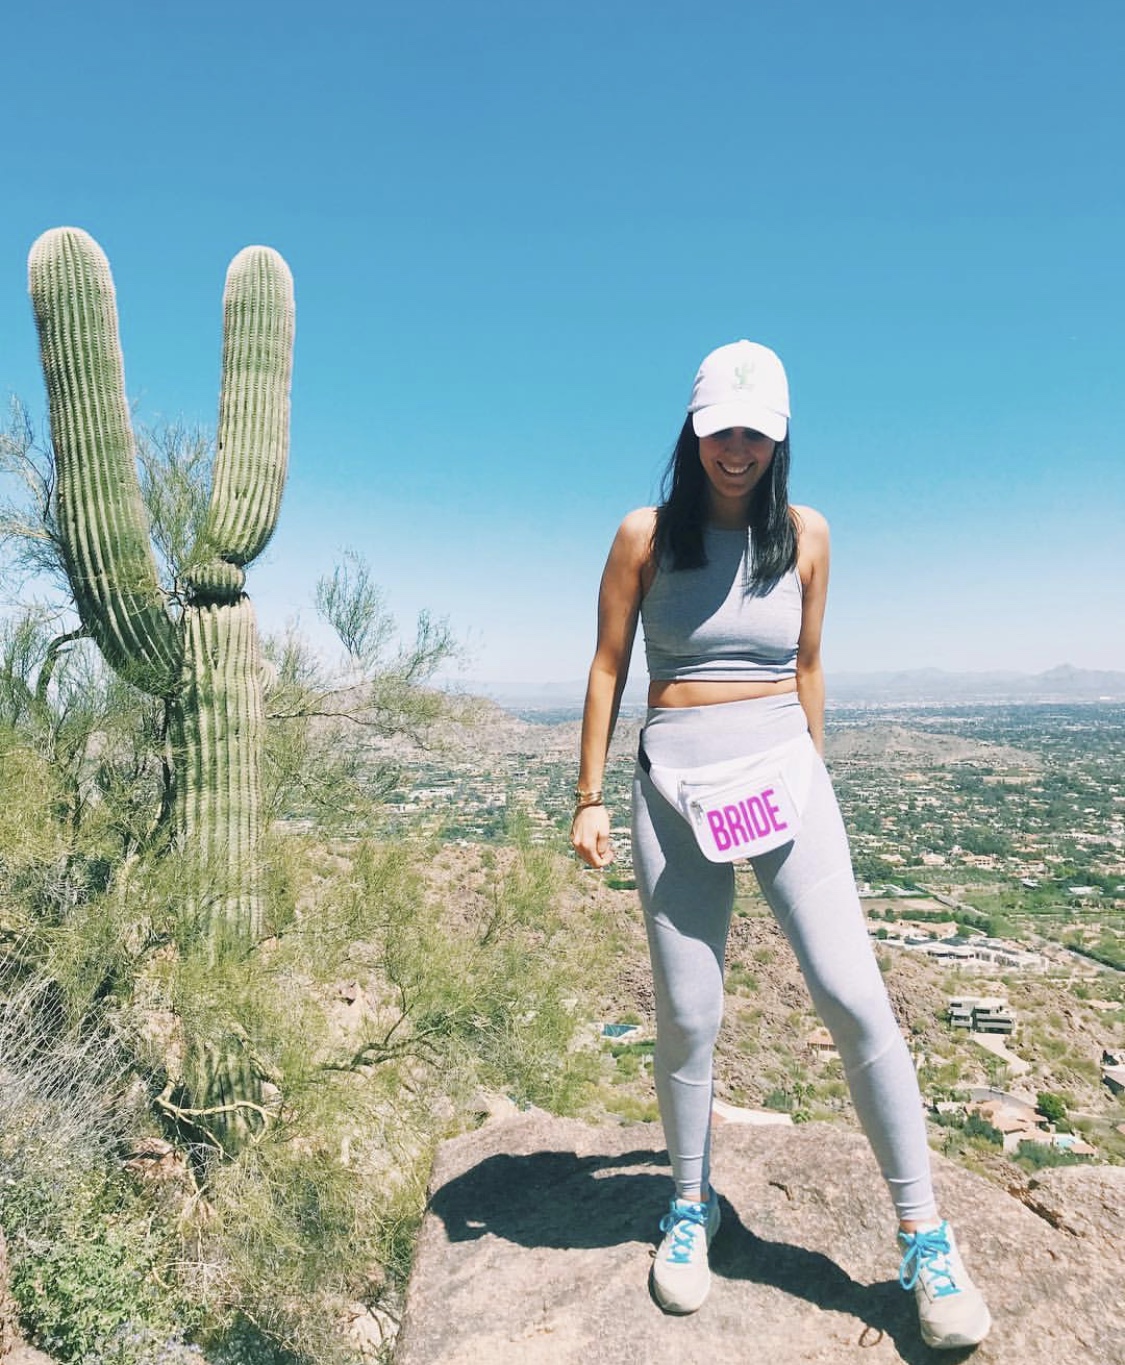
[(734, 473)]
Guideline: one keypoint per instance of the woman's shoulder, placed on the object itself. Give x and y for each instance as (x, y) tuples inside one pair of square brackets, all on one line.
[(630, 557), (640, 521), (636, 531), (812, 545), (812, 526)]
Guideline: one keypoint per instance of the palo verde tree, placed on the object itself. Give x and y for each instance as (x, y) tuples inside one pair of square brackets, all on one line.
[(199, 653)]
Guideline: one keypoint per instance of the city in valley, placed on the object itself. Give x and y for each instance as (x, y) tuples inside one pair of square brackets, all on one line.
[(988, 842)]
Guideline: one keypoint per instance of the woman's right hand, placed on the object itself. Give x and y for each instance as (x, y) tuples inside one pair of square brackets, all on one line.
[(589, 836)]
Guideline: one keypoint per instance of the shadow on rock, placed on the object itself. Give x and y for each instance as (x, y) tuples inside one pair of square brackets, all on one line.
[(559, 1200), (885, 1308), (556, 1199)]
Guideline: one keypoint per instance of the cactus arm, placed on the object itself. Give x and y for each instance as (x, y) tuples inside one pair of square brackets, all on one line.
[(101, 517), (253, 439)]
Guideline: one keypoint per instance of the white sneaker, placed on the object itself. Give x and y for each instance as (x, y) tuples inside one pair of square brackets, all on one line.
[(951, 1309), (681, 1277)]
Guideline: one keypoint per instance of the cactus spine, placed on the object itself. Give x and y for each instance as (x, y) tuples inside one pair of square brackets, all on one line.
[(204, 660)]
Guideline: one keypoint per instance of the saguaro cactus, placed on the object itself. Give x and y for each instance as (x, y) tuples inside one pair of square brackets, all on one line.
[(201, 656)]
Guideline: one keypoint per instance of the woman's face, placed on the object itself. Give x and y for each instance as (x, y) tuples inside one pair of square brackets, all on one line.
[(734, 460)]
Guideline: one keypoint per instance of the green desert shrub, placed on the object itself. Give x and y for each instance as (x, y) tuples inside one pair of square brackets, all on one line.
[(131, 1344), (261, 1261), (632, 1059), (295, 1235), (740, 978), (335, 1185), (1035, 1156), (977, 1127), (1052, 1106), (90, 1259)]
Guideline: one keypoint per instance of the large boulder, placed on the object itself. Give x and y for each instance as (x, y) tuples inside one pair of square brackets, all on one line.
[(538, 1237)]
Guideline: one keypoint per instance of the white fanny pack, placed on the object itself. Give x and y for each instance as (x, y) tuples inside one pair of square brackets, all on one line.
[(742, 806)]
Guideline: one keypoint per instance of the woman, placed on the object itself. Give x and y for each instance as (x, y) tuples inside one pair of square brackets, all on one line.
[(730, 583)]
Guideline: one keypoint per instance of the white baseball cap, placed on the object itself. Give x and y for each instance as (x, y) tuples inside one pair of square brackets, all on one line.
[(741, 385)]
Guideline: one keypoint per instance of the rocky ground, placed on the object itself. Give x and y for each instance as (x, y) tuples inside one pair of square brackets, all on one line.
[(539, 1235)]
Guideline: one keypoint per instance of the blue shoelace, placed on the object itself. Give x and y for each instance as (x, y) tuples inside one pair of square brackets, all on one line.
[(927, 1254), (684, 1222)]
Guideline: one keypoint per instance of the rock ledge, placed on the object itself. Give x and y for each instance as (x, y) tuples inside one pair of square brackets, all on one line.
[(539, 1232)]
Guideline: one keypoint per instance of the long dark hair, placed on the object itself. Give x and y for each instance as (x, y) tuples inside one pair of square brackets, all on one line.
[(677, 541)]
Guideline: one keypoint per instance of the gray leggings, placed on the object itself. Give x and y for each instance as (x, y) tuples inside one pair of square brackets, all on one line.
[(810, 888)]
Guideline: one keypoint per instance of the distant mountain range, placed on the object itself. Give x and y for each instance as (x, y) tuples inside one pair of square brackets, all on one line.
[(931, 686), (935, 685)]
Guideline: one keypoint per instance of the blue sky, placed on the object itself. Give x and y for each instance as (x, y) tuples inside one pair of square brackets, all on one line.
[(515, 228)]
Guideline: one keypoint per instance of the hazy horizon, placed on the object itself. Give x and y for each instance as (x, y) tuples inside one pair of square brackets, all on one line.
[(930, 686)]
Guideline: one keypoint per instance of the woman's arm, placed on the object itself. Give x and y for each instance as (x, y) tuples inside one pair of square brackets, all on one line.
[(619, 602), (812, 565)]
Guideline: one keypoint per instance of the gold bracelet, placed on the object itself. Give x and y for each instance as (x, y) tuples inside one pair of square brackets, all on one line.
[(592, 796), (588, 799)]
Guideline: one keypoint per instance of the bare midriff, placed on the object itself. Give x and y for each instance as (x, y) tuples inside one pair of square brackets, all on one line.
[(695, 692)]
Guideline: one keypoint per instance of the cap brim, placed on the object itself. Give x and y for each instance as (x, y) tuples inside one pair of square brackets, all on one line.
[(722, 416)]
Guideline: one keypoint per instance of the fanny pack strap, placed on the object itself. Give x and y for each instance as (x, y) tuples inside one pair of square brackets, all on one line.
[(642, 756)]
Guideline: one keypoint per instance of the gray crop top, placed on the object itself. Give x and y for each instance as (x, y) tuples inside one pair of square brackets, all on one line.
[(702, 624)]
